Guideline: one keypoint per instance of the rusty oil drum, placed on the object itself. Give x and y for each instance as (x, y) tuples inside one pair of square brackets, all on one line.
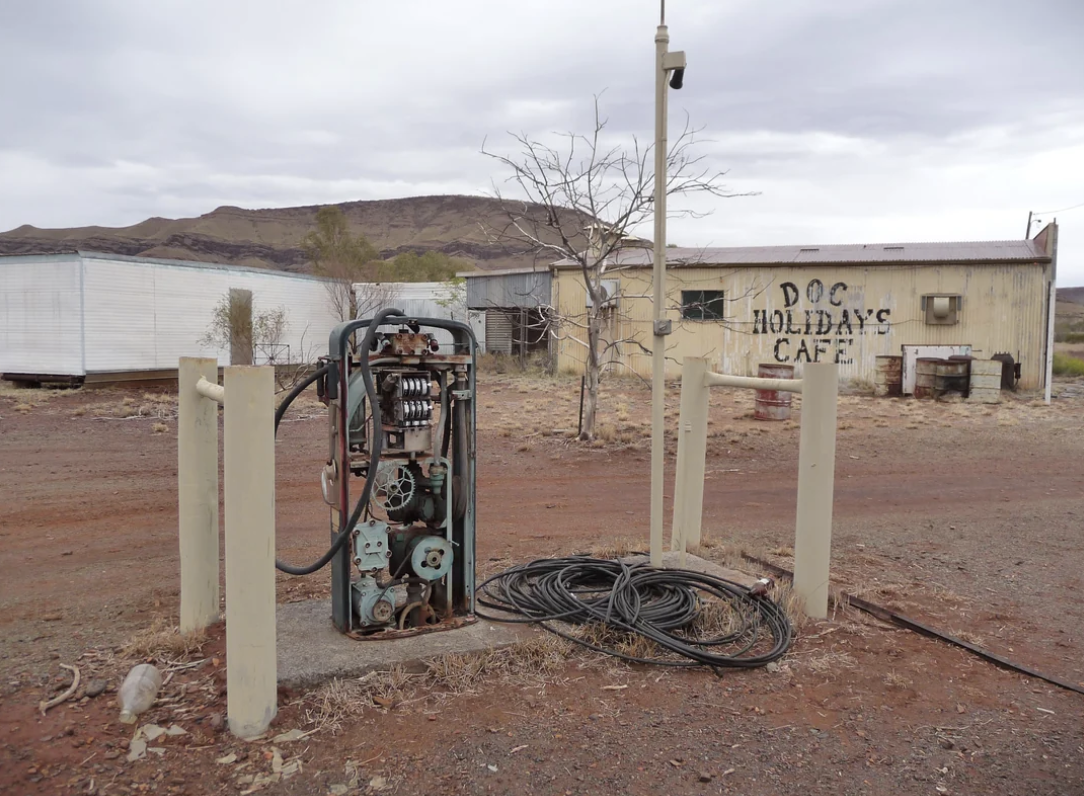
[(953, 375), (772, 404), (888, 376), (925, 376)]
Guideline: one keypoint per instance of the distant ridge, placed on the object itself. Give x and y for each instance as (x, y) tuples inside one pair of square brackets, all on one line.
[(271, 238)]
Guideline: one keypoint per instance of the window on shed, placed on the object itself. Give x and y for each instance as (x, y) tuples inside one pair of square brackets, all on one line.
[(702, 305)]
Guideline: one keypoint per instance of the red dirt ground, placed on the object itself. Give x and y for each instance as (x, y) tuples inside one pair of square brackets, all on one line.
[(966, 517)]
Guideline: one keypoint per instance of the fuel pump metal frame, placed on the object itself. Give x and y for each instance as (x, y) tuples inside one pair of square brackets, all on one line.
[(402, 417)]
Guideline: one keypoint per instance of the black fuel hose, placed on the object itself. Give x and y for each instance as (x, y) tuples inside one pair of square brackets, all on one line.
[(377, 442), (661, 605)]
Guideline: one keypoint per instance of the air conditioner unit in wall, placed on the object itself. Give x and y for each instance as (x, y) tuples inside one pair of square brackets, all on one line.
[(942, 310), (611, 288)]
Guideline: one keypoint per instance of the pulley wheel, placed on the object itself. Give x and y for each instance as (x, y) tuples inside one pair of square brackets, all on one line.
[(431, 558)]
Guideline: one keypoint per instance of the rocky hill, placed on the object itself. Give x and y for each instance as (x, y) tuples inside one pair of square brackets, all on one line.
[(1071, 295), (461, 226)]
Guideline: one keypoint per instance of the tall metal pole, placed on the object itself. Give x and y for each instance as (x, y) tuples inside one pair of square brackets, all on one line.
[(660, 330)]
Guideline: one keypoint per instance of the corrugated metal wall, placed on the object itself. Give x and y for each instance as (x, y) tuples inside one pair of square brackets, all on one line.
[(41, 322), (145, 314), (498, 332), (530, 290), (823, 313)]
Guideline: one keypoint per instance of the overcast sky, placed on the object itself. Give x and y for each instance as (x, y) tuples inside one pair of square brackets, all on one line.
[(857, 121)]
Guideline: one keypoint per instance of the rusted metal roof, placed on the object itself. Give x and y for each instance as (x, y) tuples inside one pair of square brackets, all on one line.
[(1001, 251), (511, 288)]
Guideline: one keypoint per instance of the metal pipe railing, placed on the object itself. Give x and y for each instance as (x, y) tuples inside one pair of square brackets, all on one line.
[(816, 468), (752, 383), (212, 390)]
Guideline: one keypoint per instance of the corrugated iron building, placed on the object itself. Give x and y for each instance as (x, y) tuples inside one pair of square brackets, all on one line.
[(740, 307), (517, 306)]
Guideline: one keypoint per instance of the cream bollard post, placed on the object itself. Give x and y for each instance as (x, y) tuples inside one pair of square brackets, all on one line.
[(251, 655), (197, 494), (691, 456), (816, 484)]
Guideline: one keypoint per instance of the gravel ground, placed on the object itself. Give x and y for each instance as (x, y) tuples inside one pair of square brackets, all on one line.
[(966, 517)]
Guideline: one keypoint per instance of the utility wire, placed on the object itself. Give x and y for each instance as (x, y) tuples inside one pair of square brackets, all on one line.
[(1062, 210)]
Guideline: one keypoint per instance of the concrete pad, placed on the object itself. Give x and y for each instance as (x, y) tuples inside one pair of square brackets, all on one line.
[(312, 651), (672, 560)]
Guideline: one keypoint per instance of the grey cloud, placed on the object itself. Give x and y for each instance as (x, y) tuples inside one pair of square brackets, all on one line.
[(265, 103)]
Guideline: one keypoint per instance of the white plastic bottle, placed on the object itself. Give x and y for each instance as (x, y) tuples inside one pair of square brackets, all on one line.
[(138, 691)]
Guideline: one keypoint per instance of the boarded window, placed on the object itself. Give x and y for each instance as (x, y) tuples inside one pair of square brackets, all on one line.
[(702, 305)]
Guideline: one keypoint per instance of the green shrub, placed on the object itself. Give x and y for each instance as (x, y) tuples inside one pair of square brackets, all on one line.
[(1065, 365)]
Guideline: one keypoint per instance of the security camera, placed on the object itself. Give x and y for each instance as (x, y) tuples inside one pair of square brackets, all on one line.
[(675, 64)]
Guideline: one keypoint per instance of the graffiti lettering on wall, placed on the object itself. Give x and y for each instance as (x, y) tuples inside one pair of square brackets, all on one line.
[(832, 330)]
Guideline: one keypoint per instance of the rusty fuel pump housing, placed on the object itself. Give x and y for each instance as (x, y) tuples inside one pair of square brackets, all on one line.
[(400, 477)]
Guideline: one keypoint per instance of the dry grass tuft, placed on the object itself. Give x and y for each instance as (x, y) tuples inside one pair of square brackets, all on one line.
[(969, 637), (79, 411), (631, 644), (163, 642), (542, 654), (827, 661), (605, 432), (339, 702), (784, 596), (161, 398), (783, 550), (708, 542), (616, 548), (893, 680), (32, 396), (24, 408), (159, 428), (716, 618)]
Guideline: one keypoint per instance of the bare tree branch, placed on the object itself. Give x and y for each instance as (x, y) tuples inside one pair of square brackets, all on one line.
[(580, 202)]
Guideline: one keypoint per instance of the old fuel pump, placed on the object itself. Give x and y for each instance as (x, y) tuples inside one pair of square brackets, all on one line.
[(399, 478)]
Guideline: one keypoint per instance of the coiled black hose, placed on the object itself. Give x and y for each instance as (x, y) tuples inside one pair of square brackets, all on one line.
[(666, 606)]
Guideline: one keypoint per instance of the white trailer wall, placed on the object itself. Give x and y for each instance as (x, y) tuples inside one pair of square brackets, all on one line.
[(41, 317), (309, 314), (427, 300), (146, 314)]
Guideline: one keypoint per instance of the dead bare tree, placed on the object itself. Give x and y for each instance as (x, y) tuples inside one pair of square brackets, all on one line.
[(369, 297), (580, 201)]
